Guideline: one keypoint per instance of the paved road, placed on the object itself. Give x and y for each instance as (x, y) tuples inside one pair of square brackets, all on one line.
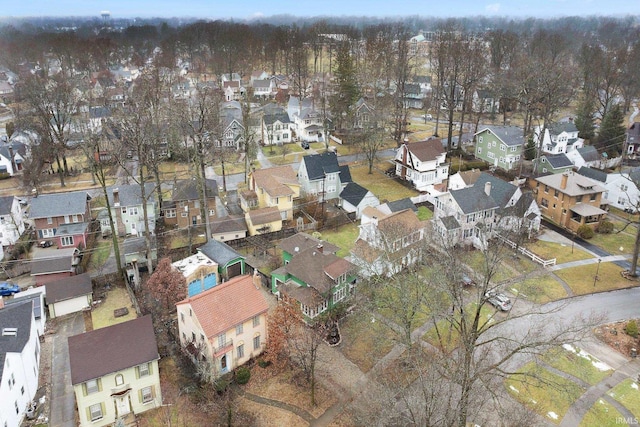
[(63, 403)]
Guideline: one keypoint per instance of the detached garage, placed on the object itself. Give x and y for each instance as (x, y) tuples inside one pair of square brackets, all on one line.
[(69, 295)]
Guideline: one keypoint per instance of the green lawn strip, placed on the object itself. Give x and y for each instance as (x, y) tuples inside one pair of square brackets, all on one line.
[(561, 252), (424, 213), (100, 253), (543, 392), (601, 414), (448, 339), (539, 289), (476, 260), (344, 237), (381, 185), (580, 279), (230, 168), (614, 241), (277, 150), (581, 365), (628, 394), (365, 341), (624, 215)]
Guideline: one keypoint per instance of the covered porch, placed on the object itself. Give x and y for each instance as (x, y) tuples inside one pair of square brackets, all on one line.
[(585, 214)]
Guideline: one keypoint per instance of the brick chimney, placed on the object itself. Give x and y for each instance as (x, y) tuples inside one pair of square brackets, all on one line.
[(116, 197), (487, 188), (563, 180)]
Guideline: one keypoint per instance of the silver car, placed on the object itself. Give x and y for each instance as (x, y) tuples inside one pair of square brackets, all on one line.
[(499, 301)]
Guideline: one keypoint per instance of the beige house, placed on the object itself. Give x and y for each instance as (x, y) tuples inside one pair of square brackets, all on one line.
[(226, 325), (265, 220), (272, 187), (114, 372)]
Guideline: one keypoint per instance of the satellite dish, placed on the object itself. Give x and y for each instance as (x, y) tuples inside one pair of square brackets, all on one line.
[(296, 249)]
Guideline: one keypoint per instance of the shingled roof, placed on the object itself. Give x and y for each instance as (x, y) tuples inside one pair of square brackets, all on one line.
[(426, 150), (510, 135), (473, 199), (59, 204), (219, 252), (501, 191), (300, 242), (17, 316), (318, 269), (319, 165), (69, 287), (276, 181), (188, 190), (353, 193)]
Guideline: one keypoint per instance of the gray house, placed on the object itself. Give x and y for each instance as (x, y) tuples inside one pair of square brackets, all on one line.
[(320, 174)]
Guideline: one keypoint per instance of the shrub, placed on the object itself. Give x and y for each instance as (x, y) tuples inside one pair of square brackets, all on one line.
[(606, 227), (263, 363), (585, 232), (242, 375), (631, 328)]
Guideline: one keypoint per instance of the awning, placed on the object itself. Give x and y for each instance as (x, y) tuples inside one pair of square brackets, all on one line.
[(584, 209)]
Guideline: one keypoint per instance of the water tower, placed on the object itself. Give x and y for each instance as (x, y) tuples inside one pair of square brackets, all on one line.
[(106, 16)]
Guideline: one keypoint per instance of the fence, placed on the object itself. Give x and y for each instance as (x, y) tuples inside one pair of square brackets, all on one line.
[(528, 253)]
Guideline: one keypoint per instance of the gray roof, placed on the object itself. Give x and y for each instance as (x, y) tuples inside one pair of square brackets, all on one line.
[(353, 193), (6, 202), (402, 204), (33, 299), (510, 135), (501, 191), (51, 265), (219, 252), (300, 242), (133, 245), (559, 127), (187, 189), (473, 199), (14, 316), (130, 195), (59, 204), (282, 117), (319, 165), (345, 174), (558, 161), (228, 224), (450, 222), (634, 174), (72, 229), (589, 153), (596, 174), (68, 288)]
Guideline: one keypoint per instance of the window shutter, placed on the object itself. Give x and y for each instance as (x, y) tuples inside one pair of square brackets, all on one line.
[(84, 390), (150, 364), (137, 372), (99, 384), (88, 413), (140, 395), (153, 391), (103, 408)]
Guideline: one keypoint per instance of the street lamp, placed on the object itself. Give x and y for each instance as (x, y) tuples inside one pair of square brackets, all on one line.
[(595, 279)]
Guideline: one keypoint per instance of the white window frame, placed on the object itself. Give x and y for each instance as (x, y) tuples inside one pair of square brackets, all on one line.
[(95, 412), (47, 233), (171, 213), (147, 395), (66, 241), (144, 370)]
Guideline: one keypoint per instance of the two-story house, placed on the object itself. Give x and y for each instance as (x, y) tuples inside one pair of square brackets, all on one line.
[(276, 128), (272, 187), (501, 146), (183, 209), (127, 208), (232, 126), (199, 271), (621, 189), (560, 137), (422, 163), (224, 326), (19, 361), (11, 220), (12, 157), (363, 117), (570, 200), (263, 88), (320, 174), (309, 123), (388, 243), (114, 372), (633, 140), (62, 217), (553, 163)]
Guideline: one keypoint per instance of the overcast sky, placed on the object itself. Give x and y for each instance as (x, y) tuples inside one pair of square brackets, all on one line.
[(246, 9)]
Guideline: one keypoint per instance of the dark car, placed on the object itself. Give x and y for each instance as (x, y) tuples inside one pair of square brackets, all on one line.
[(45, 243), (305, 145), (7, 289)]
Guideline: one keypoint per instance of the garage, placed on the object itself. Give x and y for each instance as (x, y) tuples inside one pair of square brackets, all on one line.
[(234, 270), (69, 295)]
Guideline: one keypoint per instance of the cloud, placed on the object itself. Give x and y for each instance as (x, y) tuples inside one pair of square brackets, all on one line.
[(492, 8), (256, 15)]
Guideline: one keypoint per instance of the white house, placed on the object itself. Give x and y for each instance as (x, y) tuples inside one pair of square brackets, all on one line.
[(19, 361), (12, 157), (308, 122), (277, 128), (621, 190), (422, 163), (127, 209), (11, 220), (320, 174), (561, 137), (585, 156), (33, 295), (354, 198)]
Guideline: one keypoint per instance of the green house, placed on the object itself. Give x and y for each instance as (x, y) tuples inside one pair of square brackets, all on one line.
[(230, 263), (553, 163), (500, 146)]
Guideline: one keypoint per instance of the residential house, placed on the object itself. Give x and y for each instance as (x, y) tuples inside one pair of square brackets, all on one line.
[(553, 163), (199, 271), (309, 123), (422, 163), (413, 97), (463, 179), (232, 126), (388, 243), (114, 372), (316, 279), (424, 82), (233, 91), (11, 220), (355, 198), (276, 128), (500, 146), (397, 206), (258, 75), (320, 174), (135, 256), (621, 189), (263, 89), (228, 228), (560, 137), (633, 140), (183, 209), (62, 217), (263, 220), (54, 264), (69, 295), (127, 207), (12, 157), (272, 187), (363, 115), (225, 326), (586, 156), (300, 242), (233, 77), (34, 296), (570, 200), (19, 361), (485, 101), (230, 263)]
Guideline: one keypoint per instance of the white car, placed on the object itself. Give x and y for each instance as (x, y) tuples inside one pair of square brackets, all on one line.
[(499, 301)]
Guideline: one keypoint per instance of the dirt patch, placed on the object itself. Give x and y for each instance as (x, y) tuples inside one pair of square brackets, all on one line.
[(614, 336), (270, 417)]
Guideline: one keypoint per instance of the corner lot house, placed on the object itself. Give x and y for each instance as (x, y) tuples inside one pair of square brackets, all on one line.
[(114, 372)]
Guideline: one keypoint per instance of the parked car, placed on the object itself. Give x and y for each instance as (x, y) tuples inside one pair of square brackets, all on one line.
[(7, 289), (467, 281), (499, 301), (305, 145), (45, 243)]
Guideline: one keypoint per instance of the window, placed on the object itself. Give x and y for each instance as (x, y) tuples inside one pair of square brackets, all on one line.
[(147, 394), (491, 155), (503, 147), (479, 139), (143, 370), (513, 149), (171, 213), (479, 150), (92, 386), (340, 294), (47, 233), (240, 351), (239, 328), (222, 340), (201, 337), (124, 210), (67, 241), (256, 342), (193, 337), (119, 379), (95, 411), (22, 389), (74, 218), (183, 214), (622, 200), (555, 193), (182, 317), (256, 321), (593, 197), (212, 212), (49, 220), (133, 211), (544, 203), (17, 408), (517, 157), (624, 187), (546, 188)]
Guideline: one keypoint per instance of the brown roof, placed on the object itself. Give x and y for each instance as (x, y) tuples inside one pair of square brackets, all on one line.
[(318, 269), (364, 251), (228, 224), (51, 265), (304, 241), (264, 216), (307, 296), (227, 305), (111, 349), (470, 177), (68, 287), (400, 223), (276, 181), (426, 150)]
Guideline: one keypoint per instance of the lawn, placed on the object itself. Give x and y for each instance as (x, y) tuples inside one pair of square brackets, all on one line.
[(364, 341), (344, 237), (562, 253), (381, 185), (230, 168), (102, 314), (424, 213), (547, 394), (178, 170), (448, 335), (627, 393), (539, 289), (508, 268), (580, 278), (578, 363), (100, 253), (180, 238), (614, 242), (601, 414), (276, 150)]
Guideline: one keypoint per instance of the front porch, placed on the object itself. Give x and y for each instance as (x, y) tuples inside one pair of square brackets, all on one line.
[(585, 214)]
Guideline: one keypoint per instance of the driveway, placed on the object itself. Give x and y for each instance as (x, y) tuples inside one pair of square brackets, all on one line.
[(63, 402)]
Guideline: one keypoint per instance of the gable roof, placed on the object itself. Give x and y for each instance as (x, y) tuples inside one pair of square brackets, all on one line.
[(406, 219), (6, 203), (558, 161), (592, 173), (17, 316), (473, 199), (318, 269), (219, 252), (113, 348), (402, 204), (510, 135), (319, 165), (501, 191), (130, 195), (69, 287), (59, 204), (300, 242), (280, 116), (354, 193), (426, 150), (228, 224), (226, 305), (264, 215), (187, 189), (470, 177), (345, 174), (589, 153), (559, 127), (276, 181), (52, 265)]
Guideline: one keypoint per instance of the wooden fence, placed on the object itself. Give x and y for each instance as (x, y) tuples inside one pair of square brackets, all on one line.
[(528, 253)]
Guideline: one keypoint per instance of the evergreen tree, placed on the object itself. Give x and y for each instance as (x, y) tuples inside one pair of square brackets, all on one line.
[(530, 150), (347, 91), (584, 119), (612, 131)]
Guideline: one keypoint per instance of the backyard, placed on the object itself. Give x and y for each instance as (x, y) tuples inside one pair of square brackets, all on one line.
[(385, 188), (103, 314)]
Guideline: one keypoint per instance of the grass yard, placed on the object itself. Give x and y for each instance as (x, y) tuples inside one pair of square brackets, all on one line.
[(539, 289), (180, 239), (230, 168), (448, 337), (102, 315), (100, 253), (562, 253), (382, 186), (178, 170), (580, 278), (424, 213), (578, 363), (344, 237), (545, 393), (614, 241), (364, 342), (627, 394), (508, 268), (277, 150), (601, 414)]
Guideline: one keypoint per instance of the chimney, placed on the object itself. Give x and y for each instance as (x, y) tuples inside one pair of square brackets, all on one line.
[(319, 247), (563, 181), (487, 188), (116, 197)]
